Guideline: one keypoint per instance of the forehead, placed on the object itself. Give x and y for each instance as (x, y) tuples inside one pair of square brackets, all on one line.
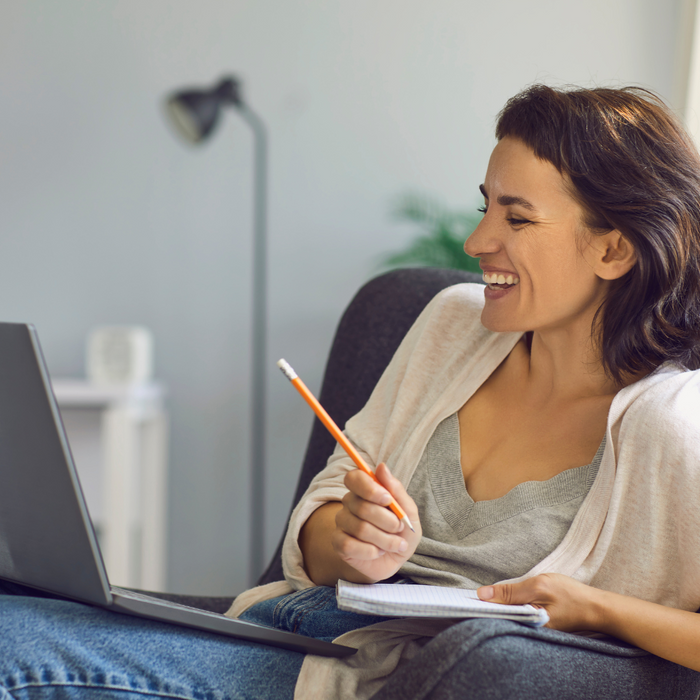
[(515, 171)]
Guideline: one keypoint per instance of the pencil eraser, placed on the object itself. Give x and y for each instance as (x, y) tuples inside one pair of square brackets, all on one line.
[(287, 369)]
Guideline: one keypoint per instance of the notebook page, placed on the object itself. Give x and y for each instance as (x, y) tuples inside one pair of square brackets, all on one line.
[(428, 601)]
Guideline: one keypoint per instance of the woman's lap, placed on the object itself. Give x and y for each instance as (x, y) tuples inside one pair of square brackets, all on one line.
[(499, 660), (60, 649), (52, 648), (56, 649)]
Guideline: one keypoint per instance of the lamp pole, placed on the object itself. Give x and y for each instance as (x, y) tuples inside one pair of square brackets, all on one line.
[(195, 113), (259, 345)]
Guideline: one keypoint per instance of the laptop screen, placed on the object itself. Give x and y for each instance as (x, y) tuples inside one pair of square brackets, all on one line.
[(46, 538)]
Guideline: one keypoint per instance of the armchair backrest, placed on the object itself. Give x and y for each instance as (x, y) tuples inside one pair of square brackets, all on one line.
[(369, 332)]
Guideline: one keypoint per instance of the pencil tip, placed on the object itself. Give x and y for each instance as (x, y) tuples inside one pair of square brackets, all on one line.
[(406, 521)]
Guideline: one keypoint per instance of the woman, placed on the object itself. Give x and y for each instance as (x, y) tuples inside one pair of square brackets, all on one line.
[(541, 434), (578, 352)]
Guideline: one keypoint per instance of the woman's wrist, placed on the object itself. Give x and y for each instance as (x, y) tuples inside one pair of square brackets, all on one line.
[(619, 615), (601, 611), (314, 543)]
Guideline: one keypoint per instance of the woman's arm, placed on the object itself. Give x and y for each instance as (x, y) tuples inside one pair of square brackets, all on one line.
[(574, 607), (360, 539)]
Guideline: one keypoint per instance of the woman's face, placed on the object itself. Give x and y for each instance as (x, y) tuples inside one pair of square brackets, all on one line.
[(535, 251)]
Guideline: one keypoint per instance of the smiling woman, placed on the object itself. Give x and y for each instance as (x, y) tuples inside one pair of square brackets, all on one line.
[(542, 432)]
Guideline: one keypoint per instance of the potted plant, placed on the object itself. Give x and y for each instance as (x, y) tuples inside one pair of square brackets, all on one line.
[(441, 242)]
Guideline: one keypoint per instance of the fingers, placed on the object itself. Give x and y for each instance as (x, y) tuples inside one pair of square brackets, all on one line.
[(370, 523), (358, 539), (533, 590), (381, 492), (397, 490), (366, 527), (368, 500), (501, 593), (377, 515), (364, 486)]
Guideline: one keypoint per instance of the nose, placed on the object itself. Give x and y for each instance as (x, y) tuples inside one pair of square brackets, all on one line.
[(481, 241)]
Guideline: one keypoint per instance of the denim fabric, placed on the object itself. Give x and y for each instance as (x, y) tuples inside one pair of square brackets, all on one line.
[(61, 650), (312, 612)]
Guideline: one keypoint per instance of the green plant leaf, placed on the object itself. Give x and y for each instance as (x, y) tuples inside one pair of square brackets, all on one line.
[(442, 241)]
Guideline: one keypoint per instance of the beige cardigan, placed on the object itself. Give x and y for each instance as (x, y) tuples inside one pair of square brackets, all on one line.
[(637, 532)]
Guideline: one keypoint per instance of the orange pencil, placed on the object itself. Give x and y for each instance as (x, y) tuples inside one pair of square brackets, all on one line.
[(337, 434)]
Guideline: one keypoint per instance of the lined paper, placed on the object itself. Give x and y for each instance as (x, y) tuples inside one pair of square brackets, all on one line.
[(413, 600)]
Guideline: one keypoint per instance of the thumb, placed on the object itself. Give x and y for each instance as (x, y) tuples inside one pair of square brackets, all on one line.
[(507, 593)]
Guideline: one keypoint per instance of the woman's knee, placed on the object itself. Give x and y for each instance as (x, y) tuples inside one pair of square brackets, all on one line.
[(509, 666), (497, 668)]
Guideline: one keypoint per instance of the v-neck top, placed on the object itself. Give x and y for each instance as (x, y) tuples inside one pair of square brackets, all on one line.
[(468, 544)]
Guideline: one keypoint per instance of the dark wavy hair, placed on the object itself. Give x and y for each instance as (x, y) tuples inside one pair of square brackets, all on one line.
[(633, 168)]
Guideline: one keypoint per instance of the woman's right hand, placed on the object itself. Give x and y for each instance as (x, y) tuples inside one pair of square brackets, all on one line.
[(368, 536)]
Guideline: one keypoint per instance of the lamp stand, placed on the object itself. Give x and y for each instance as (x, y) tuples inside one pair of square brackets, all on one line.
[(258, 346)]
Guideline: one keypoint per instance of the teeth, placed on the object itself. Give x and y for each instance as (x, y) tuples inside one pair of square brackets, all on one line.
[(500, 279)]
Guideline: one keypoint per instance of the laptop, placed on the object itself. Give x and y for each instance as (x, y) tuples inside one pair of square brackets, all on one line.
[(47, 540)]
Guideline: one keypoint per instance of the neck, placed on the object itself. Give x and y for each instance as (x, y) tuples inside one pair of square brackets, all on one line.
[(564, 365)]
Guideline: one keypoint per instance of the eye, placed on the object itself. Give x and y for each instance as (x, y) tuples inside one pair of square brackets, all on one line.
[(482, 209), (513, 221)]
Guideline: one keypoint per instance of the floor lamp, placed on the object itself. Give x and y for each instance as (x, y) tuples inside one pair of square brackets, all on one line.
[(194, 113)]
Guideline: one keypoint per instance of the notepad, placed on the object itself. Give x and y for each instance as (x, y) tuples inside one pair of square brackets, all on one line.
[(414, 600)]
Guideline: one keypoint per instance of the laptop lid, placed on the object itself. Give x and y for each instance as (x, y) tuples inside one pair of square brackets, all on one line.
[(41, 503), (46, 537)]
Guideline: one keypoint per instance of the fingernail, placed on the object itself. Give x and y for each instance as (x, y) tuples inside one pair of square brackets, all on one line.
[(385, 500), (486, 593), (403, 546)]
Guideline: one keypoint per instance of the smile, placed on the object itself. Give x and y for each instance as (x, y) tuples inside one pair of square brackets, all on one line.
[(496, 281)]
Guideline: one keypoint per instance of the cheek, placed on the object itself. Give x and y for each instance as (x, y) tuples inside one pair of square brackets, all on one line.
[(554, 274), (560, 256)]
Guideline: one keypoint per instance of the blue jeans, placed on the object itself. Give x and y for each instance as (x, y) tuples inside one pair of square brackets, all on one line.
[(58, 649)]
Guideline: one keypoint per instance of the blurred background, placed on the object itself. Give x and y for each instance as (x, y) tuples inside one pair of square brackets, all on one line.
[(106, 217)]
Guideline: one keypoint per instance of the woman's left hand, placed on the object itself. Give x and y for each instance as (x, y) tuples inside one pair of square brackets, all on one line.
[(571, 605), (574, 607)]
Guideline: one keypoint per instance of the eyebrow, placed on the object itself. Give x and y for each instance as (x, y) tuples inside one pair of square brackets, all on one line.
[(506, 200)]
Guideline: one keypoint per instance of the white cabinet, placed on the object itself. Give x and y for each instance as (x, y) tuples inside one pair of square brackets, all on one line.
[(118, 436)]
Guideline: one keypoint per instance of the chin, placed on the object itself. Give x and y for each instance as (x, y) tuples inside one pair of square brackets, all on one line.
[(497, 323)]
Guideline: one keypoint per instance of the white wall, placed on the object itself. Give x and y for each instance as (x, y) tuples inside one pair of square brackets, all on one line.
[(106, 217)]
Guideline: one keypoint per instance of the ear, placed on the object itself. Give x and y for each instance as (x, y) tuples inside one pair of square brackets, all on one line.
[(615, 255)]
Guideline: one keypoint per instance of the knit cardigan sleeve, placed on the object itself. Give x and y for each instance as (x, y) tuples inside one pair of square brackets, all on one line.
[(328, 485)]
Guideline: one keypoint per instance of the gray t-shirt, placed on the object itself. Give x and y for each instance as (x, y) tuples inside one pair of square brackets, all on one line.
[(467, 544)]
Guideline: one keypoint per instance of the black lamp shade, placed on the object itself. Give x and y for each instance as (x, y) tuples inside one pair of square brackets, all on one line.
[(194, 113)]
